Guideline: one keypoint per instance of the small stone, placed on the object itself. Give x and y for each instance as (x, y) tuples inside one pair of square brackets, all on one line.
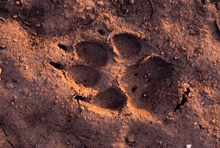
[(9, 85), (195, 123), (213, 121), (170, 114), (2, 46), (0, 70), (89, 8), (188, 145), (43, 77), (2, 19), (80, 10), (100, 3), (15, 16), (131, 138), (37, 25), (21, 59), (18, 3)]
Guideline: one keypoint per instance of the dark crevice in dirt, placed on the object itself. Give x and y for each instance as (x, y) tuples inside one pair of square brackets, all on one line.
[(78, 97), (201, 127), (203, 1), (63, 47), (129, 143), (57, 65), (187, 91), (10, 143), (101, 32), (134, 88), (184, 99), (152, 11), (217, 25)]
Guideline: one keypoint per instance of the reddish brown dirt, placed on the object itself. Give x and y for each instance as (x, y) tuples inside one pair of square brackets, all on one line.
[(109, 73)]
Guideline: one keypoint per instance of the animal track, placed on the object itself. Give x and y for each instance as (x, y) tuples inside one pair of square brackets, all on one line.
[(127, 44), (149, 81), (112, 98), (93, 53), (149, 84), (85, 75)]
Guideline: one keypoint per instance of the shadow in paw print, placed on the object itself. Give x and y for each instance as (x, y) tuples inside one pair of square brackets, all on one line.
[(112, 98), (150, 85), (127, 44), (94, 54), (85, 75)]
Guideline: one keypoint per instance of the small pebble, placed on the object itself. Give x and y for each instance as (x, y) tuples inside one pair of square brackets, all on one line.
[(21, 59), (15, 16), (195, 123), (2, 46), (188, 145), (80, 10), (170, 114), (89, 8), (2, 19), (100, 3), (18, 3), (37, 25), (0, 70), (9, 85)]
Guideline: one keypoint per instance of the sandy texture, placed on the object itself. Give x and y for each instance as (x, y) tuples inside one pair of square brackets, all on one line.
[(109, 73)]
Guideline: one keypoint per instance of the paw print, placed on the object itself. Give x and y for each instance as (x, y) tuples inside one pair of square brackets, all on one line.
[(146, 84)]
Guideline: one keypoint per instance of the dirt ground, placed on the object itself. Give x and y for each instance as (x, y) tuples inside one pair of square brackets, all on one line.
[(109, 73)]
